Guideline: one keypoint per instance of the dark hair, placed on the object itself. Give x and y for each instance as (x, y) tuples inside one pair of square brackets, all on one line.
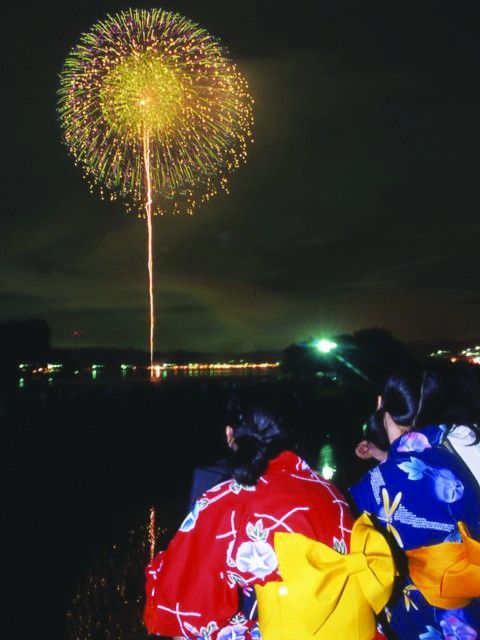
[(400, 398), (261, 418), (450, 396)]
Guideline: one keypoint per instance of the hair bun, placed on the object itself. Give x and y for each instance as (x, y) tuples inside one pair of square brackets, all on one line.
[(260, 418)]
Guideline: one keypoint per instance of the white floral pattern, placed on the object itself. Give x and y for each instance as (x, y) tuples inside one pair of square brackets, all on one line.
[(447, 486), (257, 558), (191, 520), (413, 441), (234, 632), (454, 628)]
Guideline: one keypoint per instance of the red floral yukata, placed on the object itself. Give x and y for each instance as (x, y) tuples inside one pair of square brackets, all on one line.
[(225, 546)]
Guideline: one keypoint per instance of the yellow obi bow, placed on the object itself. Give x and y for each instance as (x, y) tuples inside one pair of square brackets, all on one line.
[(325, 594), (447, 574)]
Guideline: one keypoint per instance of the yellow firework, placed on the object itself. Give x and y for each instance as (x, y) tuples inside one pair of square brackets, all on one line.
[(155, 112), (154, 74)]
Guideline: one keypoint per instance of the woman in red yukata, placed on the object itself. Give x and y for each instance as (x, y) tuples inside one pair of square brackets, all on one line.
[(265, 555)]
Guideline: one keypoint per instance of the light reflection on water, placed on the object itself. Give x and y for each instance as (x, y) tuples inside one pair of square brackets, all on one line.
[(326, 462), (131, 373), (108, 600)]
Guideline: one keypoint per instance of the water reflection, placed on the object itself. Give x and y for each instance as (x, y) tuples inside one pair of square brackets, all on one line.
[(53, 373), (326, 462)]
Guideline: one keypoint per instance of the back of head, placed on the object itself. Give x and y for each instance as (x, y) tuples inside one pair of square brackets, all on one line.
[(400, 399), (261, 417), (450, 396)]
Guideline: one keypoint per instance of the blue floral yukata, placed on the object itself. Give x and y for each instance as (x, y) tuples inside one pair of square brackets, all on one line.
[(419, 494)]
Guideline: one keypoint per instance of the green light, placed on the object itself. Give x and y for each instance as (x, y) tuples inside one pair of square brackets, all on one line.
[(326, 462), (21, 383), (325, 346), (328, 472)]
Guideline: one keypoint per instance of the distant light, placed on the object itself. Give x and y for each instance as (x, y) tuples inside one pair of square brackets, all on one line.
[(325, 346), (328, 472), (194, 368)]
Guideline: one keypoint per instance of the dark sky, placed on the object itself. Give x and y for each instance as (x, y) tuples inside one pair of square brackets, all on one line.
[(358, 206)]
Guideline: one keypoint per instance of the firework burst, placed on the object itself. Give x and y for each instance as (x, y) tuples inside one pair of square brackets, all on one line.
[(154, 74), (155, 112)]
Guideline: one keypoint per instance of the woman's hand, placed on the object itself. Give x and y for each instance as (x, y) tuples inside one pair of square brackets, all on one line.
[(366, 450)]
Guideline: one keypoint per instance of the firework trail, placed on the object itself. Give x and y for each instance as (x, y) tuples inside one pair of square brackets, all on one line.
[(155, 112)]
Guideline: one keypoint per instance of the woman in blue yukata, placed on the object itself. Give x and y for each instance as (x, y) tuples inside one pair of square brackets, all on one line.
[(428, 501)]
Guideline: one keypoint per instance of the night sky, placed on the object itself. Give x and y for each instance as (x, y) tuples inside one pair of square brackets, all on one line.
[(358, 205)]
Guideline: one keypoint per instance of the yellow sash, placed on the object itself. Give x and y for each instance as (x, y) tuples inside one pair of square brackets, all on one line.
[(325, 594), (447, 574)]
